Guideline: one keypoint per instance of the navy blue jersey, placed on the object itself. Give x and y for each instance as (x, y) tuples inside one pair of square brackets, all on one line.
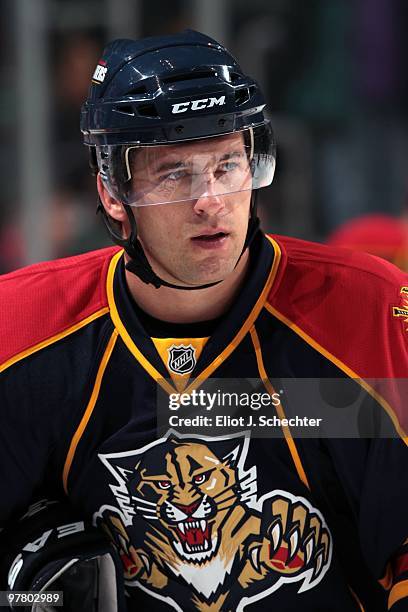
[(214, 521)]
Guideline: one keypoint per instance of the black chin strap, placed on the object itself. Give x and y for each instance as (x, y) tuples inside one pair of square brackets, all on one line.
[(139, 264)]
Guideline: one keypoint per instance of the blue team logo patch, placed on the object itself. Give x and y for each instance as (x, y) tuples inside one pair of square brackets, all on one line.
[(182, 358)]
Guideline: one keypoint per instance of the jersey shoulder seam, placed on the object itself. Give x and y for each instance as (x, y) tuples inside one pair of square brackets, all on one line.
[(53, 338)]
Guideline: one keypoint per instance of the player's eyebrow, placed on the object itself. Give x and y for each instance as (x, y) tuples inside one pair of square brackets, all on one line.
[(173, 165), (231, 154), (170, 166)]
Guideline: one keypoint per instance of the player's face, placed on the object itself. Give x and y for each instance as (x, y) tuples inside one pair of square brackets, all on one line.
[(199, 240)]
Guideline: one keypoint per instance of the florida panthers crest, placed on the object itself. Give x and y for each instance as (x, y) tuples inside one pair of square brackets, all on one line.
[(192, 530)]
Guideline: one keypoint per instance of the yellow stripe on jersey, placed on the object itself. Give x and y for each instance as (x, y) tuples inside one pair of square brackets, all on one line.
[(279, 409), (151, 370), (360, 605), (52, 339), (342, 366), (89, 409)]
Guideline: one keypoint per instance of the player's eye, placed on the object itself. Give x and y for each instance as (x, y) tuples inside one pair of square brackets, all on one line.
[(228, 166), (175, 176), (164, 484), (200, 478)]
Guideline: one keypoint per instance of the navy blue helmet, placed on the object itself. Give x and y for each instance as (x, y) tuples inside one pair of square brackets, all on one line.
[(153, 91), (166, 91)]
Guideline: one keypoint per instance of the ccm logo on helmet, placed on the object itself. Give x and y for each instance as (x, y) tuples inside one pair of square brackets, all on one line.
[(195, 105)]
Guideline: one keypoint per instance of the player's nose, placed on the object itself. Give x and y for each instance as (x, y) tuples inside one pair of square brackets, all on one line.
[(209, 201)]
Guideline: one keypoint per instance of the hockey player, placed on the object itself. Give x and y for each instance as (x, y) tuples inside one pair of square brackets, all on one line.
[(194, 292)]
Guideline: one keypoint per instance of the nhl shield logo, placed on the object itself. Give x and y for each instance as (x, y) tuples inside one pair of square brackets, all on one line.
[(181, 359)]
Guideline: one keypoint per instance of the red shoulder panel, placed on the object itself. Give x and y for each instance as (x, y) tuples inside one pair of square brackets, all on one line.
[(344, 300), (43, 300)]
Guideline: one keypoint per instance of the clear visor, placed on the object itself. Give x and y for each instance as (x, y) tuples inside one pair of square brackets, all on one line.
[(194, 169)]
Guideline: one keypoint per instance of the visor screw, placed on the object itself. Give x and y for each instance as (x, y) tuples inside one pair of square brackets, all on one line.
[(221, 122), (179, 129)]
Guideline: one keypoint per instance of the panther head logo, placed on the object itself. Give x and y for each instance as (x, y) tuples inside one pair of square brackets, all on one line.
[(187, 511), (188, 487)]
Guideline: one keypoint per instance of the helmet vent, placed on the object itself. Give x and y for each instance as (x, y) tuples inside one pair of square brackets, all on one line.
[(189, 76), (126, 109), (241, 96), (235, 76), (137, 91), (147, 110)]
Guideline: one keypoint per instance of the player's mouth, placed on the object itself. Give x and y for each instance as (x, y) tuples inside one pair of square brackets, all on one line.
[(210, 239)]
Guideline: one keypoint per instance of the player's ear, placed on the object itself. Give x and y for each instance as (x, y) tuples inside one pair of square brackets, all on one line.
[(113, 207)]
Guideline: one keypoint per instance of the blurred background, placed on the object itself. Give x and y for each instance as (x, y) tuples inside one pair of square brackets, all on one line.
[(335, 77)]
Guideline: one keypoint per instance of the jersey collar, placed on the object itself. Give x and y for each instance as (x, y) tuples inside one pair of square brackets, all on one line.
[(232, 328)]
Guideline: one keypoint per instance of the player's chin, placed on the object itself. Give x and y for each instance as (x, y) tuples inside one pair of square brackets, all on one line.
[(213, 269)]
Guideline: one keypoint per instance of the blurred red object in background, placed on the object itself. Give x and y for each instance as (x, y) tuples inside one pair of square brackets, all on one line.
[(380, 235)]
